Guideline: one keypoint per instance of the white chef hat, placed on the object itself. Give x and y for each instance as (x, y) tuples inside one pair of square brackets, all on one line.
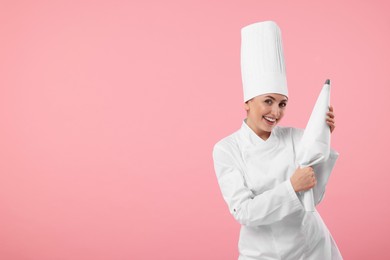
[(262, 60)]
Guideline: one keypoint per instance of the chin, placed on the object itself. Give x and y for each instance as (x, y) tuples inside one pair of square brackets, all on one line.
[(266, 129)]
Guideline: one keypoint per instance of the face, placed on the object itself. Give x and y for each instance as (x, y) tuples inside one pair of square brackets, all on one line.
[(264, 112)]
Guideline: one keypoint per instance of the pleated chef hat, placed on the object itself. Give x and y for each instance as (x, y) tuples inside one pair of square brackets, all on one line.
[(262, 60)]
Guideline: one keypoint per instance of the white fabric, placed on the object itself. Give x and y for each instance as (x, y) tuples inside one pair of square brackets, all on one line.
[(254, 177), (314, 147), (262, 60)]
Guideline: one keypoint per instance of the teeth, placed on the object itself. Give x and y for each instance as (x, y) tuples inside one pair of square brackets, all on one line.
[(270, 119)]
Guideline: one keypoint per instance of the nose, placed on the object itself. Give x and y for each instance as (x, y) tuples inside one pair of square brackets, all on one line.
[(276, 110)]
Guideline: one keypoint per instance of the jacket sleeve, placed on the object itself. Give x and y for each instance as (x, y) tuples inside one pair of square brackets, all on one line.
[(323, 171), (246, 207)]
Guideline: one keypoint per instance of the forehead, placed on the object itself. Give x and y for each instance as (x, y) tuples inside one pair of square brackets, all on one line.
[(275, 96)]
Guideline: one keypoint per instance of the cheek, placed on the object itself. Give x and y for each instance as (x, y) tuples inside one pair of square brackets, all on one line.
[(255, 111), (261, 109), (255, 115), (282, 111)]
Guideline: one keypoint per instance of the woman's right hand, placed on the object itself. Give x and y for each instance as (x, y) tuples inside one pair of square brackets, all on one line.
[(303, 179)]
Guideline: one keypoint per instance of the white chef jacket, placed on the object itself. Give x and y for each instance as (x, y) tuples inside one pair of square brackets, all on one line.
[(254, 177)]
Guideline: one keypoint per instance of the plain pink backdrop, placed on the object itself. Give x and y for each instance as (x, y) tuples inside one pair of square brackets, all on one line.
[(110, 109)]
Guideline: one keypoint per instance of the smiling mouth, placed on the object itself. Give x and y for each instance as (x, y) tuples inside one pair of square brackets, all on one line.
[(270, 120)]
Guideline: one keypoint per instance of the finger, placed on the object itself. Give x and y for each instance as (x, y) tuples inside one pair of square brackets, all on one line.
[(313, 184), (330, 122), (331, 126), (331, 108), (330, 114), (329, 119)]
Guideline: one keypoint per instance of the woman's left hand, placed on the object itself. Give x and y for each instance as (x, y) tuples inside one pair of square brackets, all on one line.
[(330, 119)]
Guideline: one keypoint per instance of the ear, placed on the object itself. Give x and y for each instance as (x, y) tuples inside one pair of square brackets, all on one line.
[(246, 106)]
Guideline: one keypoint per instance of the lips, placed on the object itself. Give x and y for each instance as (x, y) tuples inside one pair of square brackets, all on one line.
[(270, 120)]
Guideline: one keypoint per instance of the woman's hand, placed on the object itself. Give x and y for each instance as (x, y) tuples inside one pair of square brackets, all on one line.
[(303, 179), (330, 119)]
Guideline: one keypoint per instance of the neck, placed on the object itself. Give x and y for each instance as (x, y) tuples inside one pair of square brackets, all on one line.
[(260, 133), (264, 135)]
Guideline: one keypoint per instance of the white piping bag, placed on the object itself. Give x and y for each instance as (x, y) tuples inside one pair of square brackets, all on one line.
[(314, 147)]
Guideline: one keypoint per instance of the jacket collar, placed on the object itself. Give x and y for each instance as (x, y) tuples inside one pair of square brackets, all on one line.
[(253, 139)]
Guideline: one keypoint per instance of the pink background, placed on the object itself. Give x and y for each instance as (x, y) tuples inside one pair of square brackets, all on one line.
[(110, 109)]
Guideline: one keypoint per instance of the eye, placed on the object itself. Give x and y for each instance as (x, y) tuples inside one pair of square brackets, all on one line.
[(268, 101), (282, 104)]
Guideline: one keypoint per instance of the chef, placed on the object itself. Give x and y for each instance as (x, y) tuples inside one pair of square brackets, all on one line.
[(257, 168)]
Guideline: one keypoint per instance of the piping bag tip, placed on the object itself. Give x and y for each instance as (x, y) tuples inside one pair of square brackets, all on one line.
[(327, 81)]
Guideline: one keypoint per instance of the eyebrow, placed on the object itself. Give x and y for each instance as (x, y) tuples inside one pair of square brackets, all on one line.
[(271, 97)]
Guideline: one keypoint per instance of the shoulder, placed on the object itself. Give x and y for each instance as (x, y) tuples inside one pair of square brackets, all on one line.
[(228, 143), (228, 150)]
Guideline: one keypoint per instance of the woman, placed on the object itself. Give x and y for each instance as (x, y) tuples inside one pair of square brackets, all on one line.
[(256, 167)]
